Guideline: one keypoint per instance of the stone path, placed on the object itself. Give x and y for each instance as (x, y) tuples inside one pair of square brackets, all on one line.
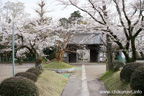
[(85, 91), (85, 82), (73, 88)]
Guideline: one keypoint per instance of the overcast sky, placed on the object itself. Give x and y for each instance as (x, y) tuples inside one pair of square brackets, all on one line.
[(55, 10)]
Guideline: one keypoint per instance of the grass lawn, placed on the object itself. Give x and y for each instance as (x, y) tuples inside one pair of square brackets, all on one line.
[(66, 75), (57, 65), (76, 68), (112, 82), (50, 83)]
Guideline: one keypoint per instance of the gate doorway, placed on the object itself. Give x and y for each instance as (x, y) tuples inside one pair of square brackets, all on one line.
[(81, 43), (83, 55)]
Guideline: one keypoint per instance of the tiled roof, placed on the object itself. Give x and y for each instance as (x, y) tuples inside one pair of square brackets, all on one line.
[(86, 38)]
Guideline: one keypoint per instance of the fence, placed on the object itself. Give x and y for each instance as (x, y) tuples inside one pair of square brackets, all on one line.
[(17, 60)]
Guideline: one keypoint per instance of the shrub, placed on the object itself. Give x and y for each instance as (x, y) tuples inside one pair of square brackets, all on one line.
[(128, 69), (18, 86), (51, 52), (57, 65), (117, 65), (34, 71), (28, 75), (137, 79)]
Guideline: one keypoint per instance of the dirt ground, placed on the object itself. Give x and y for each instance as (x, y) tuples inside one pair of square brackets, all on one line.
[(6, 70)]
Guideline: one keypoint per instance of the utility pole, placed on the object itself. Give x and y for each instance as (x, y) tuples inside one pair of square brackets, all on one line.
[(13, 50)]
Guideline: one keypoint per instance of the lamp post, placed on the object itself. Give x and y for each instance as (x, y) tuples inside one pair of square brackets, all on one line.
[(13, 50)]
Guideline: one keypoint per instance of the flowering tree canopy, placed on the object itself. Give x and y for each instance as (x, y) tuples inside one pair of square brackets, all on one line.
[(120, 19)]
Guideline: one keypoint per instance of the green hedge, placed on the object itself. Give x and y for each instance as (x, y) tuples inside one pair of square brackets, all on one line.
[(28, 75), (18, 86), (35, 71), (137, 80), (128, 69)]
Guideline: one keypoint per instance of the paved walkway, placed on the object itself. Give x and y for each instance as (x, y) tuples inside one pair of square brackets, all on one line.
[(85, 82)]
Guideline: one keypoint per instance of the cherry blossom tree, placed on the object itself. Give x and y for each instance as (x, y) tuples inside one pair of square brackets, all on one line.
[(116, 18), (31, 36), (35, 35), (66, 29), (13, 10), (5, 35), (34, 38)]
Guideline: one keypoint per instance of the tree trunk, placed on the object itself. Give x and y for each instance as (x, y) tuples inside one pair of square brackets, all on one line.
[(109, 65), (126, 56), (20, 61), (109, 55), (59, 56), (142, 55), (134, 52)]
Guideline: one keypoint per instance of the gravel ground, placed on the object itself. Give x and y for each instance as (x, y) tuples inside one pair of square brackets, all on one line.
[(6, 70)]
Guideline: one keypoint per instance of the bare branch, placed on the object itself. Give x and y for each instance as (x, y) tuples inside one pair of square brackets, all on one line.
[(93, 6), (87, 13), (120, 17), (123, 4), (137, 33)]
